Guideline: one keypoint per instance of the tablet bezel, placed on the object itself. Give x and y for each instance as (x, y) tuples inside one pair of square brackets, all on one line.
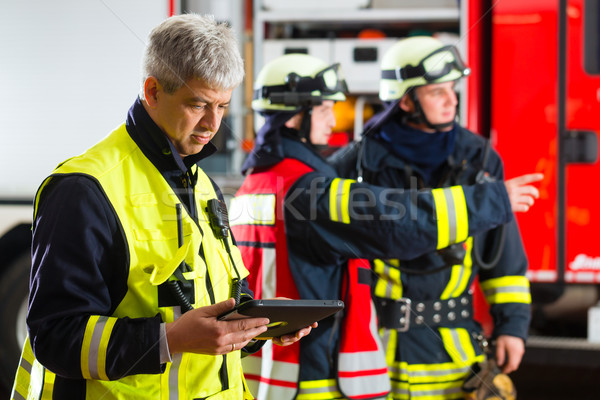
[(288, 315)]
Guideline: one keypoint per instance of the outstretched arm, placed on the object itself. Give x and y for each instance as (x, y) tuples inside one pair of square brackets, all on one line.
[(357, 220)]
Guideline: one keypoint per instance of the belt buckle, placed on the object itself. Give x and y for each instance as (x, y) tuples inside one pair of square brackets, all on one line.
[(404, 320)]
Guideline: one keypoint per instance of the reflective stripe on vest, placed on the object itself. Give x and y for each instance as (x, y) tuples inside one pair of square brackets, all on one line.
[(272, 373), (460, 274), (388, 283), (457, 342), (257, 209), (33, 381), (252, 209), (427, 391), (427, 381), (270, 379), (362, 367)]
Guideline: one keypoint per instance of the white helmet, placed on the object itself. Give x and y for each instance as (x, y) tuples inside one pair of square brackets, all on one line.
[(418, 61), (294, 81)]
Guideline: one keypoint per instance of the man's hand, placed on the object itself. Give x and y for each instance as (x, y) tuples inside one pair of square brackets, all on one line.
[(286, 340), (199, 331), (509, 352), (521, 194)]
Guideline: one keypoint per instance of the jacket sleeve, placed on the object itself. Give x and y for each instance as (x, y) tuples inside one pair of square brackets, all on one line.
[(79, 276), (342, 217), (505, 286), (345, 160)]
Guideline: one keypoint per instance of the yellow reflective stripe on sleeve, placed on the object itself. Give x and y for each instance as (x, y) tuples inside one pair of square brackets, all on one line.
[(462, 217), (339, 199), (507, 289), (94, 346), (451, 213), (333, 193), (441, 212), (252, 209), (345, 200)]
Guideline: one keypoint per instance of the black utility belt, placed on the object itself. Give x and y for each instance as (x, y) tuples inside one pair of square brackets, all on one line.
[(404, 314)]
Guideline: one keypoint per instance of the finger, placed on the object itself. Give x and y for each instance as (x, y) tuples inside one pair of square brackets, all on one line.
[(238, 340), (500, 355), (249, 334), (521, 208), (229, 348), (217, 309), (529, 191), (528, 178), (293, 338), (245, 324), (510, 365), (525, 200)]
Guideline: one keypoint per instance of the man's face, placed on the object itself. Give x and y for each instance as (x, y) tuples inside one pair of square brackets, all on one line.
[(322, 122), (439, 102), (191, 116)]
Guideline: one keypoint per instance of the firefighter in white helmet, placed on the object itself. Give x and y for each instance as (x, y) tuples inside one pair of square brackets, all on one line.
[(424, 303), (300, 229)]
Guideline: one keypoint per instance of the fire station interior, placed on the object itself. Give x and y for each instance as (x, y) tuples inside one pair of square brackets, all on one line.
[(534, 91)]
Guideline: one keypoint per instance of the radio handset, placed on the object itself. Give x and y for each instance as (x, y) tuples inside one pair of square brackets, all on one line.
[(219, 222)]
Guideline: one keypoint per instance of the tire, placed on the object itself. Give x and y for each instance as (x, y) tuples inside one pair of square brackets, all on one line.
[(14, 290)]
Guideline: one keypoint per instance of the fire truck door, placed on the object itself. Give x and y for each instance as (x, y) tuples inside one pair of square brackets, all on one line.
[(579, 127)]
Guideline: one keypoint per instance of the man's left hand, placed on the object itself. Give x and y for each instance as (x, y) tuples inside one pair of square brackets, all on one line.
[(509, 352), (286, 340)]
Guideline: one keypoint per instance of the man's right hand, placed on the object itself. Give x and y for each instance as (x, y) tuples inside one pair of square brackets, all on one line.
[(521, 194), (199, 331)]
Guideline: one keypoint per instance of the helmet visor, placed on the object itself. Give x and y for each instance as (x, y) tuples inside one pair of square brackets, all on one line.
[(441, 62), (436, 65), (331, 80), (300, 90)]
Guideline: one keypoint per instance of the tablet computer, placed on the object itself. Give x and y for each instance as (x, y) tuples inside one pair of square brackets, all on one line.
[(285, 316)]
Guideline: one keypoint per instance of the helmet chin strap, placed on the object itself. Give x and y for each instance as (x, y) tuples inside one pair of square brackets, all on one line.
[(305, 126), (418, 116)]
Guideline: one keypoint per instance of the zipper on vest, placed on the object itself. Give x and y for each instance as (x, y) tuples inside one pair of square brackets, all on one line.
[(188, 197)]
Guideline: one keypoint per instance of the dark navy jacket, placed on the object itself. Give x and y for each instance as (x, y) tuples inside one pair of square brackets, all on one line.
[(381, 166)]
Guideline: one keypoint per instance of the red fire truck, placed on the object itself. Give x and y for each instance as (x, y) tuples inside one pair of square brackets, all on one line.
[(535, 88)]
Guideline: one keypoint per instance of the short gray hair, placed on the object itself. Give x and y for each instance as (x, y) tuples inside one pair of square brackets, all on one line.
[(193, 46)]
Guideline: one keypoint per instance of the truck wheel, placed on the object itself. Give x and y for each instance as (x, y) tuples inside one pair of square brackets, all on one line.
[(14, 289)]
